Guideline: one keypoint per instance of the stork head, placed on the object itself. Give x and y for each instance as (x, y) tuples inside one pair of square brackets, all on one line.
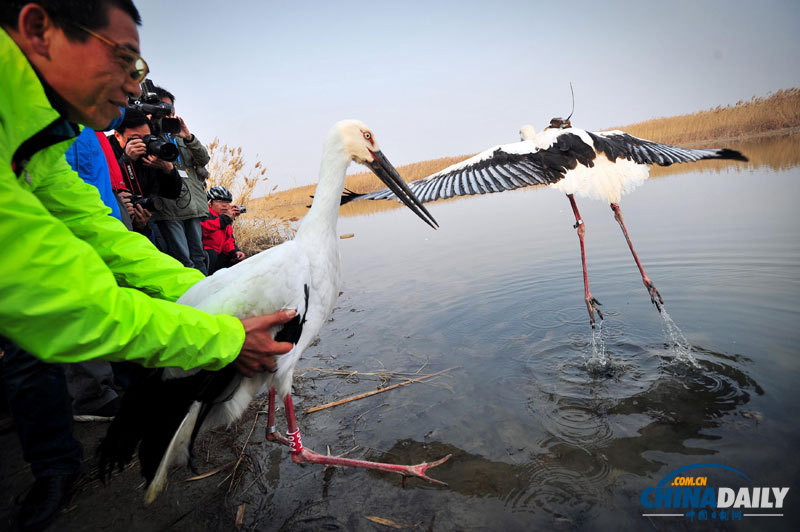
[(527, 132), (360, 145)]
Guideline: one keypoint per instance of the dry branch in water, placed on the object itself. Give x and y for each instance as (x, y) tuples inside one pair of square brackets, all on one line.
[(384, 376), (211, 473), (375, 392), (388, 522), (244, 448), (240, 516)]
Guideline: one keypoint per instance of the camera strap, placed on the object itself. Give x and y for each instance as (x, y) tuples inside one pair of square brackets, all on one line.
[(172, 140), (130, 177)]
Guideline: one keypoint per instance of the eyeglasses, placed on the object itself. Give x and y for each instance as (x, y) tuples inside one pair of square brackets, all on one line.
[(140, 68)]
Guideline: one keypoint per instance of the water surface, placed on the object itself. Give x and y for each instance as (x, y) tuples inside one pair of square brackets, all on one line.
[(541, 437)]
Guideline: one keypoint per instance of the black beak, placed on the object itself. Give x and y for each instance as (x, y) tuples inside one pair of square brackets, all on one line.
[(386, 172)]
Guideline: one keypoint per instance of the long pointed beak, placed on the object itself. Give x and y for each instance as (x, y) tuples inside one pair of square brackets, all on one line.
[(386, 172)]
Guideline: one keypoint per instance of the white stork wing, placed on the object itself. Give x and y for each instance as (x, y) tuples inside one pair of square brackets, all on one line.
[(523, 164), (500, 168), (620, 144)]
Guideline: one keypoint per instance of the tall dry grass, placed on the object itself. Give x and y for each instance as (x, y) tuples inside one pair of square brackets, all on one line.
[(780, 110), (258, 229)]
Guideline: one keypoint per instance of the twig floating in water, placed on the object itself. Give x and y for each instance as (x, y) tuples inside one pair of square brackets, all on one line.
[(368, 394), (244, 448), (212, 472), (240, 516), (388, 522)]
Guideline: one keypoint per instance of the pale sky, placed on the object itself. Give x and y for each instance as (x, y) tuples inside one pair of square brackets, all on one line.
[(435, 79)]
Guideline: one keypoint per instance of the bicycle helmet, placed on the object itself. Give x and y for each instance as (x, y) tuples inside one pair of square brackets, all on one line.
[(219, 194)]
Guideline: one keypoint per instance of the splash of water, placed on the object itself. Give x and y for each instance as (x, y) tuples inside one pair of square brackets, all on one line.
[(677, 342), (598, 359)]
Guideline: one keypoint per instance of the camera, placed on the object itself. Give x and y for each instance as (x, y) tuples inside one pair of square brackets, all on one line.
[(150, 104), (146, 203), (162, 149), (242, 208)]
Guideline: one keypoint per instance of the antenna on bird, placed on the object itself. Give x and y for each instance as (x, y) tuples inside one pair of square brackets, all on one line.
[(573, 105), (563, 123)]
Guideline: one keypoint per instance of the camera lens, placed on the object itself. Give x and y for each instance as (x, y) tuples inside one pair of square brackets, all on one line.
[(146, 203), (160, 148)]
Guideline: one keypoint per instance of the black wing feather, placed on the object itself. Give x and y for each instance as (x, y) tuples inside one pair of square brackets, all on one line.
[(621, 145)]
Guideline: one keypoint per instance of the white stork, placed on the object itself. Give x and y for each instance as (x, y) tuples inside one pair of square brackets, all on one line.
[(601, 165), (166, 410)]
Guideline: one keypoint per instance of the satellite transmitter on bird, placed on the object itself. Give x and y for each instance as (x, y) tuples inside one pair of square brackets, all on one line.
[(165, 412)]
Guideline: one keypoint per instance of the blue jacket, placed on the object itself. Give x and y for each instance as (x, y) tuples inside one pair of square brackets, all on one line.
[(86, 157)]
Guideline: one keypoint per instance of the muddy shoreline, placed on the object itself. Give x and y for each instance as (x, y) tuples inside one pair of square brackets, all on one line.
[(210, 503), (267, 491)]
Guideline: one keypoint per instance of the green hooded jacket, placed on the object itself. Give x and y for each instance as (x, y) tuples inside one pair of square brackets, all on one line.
[(75, 284)]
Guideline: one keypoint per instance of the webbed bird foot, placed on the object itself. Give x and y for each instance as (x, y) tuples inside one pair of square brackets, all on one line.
[(655, 297), (593, 305), (307, 456), (301, 455)]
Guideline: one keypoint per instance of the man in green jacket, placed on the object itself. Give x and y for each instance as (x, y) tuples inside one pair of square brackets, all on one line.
[(75, 284)]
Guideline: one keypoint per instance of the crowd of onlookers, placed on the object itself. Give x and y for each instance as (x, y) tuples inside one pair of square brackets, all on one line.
[(165, 198), (158, 192)]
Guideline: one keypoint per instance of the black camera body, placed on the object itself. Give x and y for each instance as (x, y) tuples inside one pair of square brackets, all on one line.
[(150, 104), (146, 202), (162, 149)]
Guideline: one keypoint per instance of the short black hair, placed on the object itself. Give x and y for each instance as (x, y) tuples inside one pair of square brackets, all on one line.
[(133, 118), (92, 14), (163, 93)]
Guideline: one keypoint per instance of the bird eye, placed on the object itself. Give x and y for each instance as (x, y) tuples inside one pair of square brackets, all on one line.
[(367, 135)]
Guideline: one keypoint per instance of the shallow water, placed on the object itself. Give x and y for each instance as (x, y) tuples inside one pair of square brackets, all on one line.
[(550, 425)]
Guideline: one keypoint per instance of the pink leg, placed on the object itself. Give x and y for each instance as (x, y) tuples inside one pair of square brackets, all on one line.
[(592, 304), (655, 297), (272, 433), (301, 455)]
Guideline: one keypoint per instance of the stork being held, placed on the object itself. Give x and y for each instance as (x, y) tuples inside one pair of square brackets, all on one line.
[(602, 165), (168, 409)]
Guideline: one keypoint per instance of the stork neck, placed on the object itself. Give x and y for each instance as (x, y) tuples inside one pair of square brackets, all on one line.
[(324, 212)]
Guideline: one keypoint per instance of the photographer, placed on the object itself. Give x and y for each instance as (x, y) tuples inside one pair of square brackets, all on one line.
[(218, 231), (179, 219), (145, 172)]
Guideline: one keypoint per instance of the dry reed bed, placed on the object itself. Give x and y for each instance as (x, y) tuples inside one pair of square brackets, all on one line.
[(780, 110), (258, 229)]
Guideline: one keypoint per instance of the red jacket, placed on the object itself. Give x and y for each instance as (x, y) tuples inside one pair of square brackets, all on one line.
[(218, 234)]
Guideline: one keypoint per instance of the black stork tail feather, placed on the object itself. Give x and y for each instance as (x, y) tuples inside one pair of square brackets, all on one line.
[(126, 431), (734, 155), (152, 411), (348, 196)]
